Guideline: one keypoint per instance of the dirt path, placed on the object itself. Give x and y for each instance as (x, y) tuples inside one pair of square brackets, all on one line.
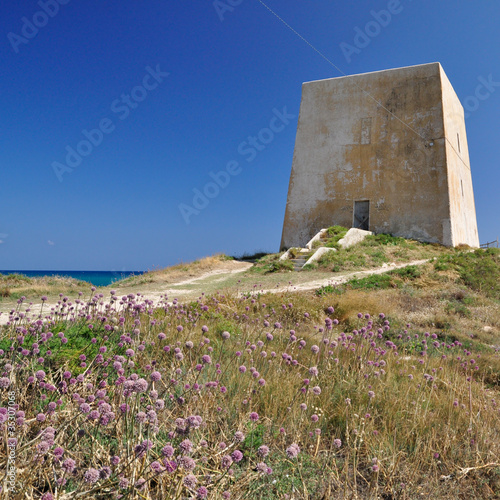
[(343, 278), (226, 278)]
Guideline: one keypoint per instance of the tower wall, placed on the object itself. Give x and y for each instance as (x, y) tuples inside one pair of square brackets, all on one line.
[(350, 148)]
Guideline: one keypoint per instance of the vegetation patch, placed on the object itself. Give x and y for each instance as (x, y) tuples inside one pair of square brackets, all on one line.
[(354, 390), (478, 270)]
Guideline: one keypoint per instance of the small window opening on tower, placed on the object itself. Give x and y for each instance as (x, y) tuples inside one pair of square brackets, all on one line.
[(458, 140), (462, 186)]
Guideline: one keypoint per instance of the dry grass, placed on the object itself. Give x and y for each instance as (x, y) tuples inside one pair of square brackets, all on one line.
[(14, 286), (432, 430), (180, 271)]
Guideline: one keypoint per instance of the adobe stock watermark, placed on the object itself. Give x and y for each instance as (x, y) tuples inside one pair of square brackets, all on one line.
[(40, 19), (372, 29), (223, 6), (483, 92), (249, 150), (122, 108), (11, 471)]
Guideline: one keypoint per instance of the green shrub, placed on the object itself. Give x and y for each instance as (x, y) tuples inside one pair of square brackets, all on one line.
[(327, 290), (479, 270), (373, 282), (280, 266), (408, 272), (335, 233), (383, 239)]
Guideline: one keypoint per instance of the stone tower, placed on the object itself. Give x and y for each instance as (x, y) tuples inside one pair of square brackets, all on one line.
[(383, 151)]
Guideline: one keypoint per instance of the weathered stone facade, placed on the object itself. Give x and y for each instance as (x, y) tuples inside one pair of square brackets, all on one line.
[(383, 151)]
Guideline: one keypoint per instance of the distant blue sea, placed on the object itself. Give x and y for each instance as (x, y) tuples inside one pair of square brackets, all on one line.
[(97, 278)]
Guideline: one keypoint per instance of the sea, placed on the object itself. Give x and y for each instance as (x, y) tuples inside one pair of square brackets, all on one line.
[(97, 278)]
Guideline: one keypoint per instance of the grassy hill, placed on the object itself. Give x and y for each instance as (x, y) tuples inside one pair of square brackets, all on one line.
[(381, 386)]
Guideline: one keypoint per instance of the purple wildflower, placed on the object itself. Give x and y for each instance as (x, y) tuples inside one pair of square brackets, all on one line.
[(91, 475), (263, 451), (293, 450), (190, 481)]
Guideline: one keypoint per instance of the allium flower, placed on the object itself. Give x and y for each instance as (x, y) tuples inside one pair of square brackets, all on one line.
[(43, 447), (371, 394), (206, 359), (168, 451), (40, 375), (140, 483), (315, 349), (316, 390), (141, 417), (226, 461), (40, 417), (69, 465), (190, 481), (187, 463), (156, 467), (170, 465), (105, 472), (237, 456), (239, 437), (337, 443), (4, 382), (293, 450), (47, 496), (226, 335), (146, 445), (140, 385), (261, 467), (186, 446), (303, 406), (94, 415), (123, 483), (254, 416), (124, 407), (115, 460), (91, 475), (263, 451), (313, 371), (58, 452), (85, 408), (202, 492)]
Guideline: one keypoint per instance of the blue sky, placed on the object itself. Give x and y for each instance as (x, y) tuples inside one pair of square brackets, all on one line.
[(170, 92)]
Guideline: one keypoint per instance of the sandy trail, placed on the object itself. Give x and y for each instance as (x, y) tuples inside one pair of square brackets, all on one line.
[(338, 279), (166, 289)]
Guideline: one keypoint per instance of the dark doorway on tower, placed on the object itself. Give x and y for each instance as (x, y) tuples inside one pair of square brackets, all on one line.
[(361, 215)]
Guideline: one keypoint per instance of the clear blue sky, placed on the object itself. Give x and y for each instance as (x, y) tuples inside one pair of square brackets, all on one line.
[(118, 209)]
